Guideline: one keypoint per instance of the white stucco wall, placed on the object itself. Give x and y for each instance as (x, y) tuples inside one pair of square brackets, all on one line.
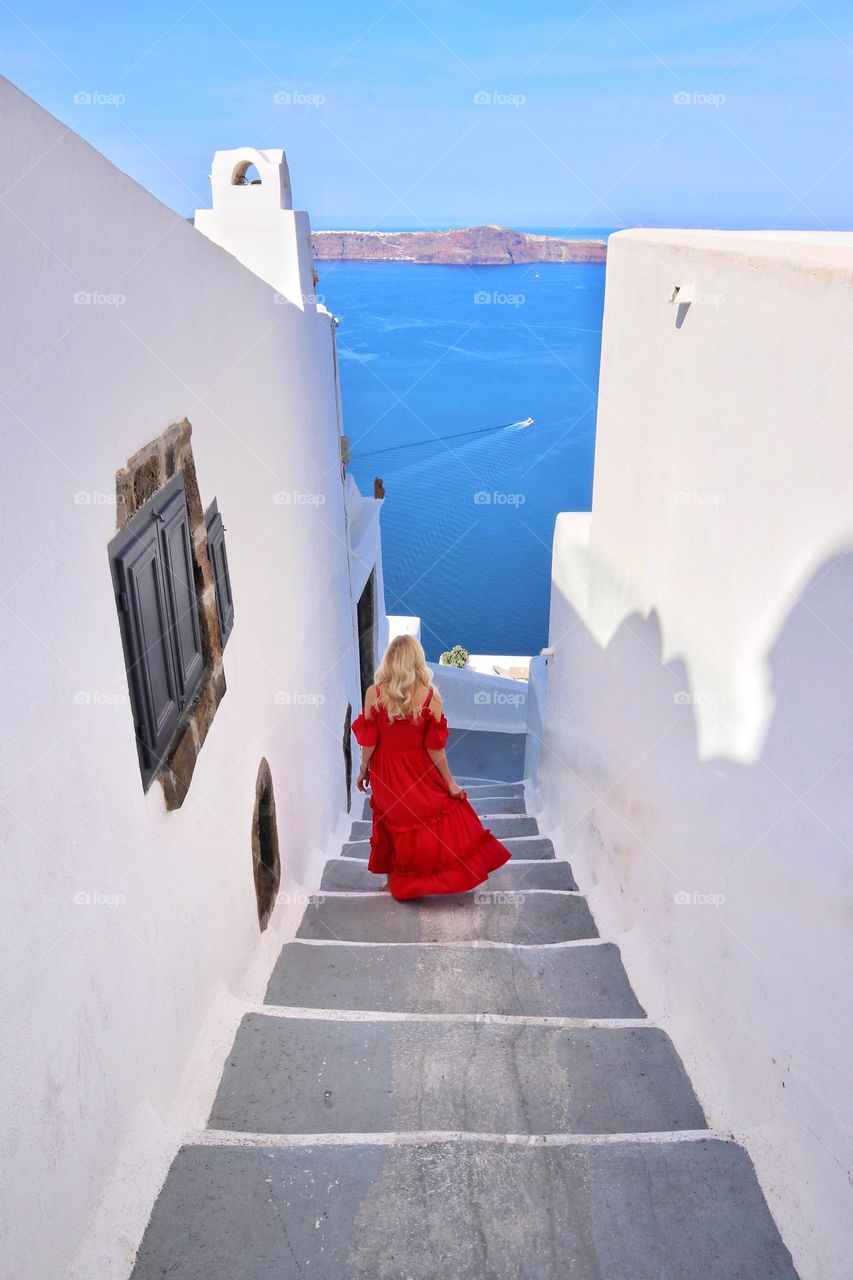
[(258, 225), (499, 663), (473, 700), (537, 701), (365, 544), (127, 928), (404, 624), (696, 753)]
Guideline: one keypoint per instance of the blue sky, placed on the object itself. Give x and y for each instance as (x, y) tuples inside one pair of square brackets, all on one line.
[(411, 113)]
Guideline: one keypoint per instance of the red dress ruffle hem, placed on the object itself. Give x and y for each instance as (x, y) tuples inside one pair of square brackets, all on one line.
[(423, 840)]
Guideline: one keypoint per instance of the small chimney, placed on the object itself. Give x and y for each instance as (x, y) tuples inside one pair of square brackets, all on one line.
[(256, 222)]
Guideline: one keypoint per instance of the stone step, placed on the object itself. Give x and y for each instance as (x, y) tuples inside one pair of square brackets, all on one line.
[(339, 874), (431, 1210), (500, 827), (548, 982), (490, 786), (478, 787), (486, 754), (524, 848), (480, 915), (481, 805), (327, 1075)]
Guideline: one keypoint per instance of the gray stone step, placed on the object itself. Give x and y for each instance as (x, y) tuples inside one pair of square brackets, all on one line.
[(320, 1075), (493, 806), (483, 805), (485, 753), (551, 982), (480, 915), (524, 848), (684, 1210), (479, 787), (500, 827), (344, 875)]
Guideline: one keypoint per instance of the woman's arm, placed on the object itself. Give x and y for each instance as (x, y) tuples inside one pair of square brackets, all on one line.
[(439, 757), (364, 771), (363, 778)]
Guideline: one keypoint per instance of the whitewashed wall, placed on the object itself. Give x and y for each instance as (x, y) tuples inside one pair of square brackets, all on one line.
[(128, 929), (537, 701), (697, 749), (473, 700)]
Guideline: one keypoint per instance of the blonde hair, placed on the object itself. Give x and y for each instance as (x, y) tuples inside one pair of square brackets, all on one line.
[(404, 677)]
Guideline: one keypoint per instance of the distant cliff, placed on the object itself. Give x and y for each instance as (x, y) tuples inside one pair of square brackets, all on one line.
[(466, 246)]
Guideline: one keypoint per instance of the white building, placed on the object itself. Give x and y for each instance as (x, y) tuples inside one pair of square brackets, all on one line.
[(140, 360), (689, 734), (693, 730)]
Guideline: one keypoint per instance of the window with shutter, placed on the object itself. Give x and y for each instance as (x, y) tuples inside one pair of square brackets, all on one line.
[(155, 592), (219, 565), (173, 519)]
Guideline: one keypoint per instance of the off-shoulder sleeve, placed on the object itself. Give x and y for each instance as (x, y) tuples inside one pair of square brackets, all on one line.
[(437, 733), (365, 730)]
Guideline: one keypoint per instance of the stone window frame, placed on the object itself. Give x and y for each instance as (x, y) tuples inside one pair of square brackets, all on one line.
[(146, 472)]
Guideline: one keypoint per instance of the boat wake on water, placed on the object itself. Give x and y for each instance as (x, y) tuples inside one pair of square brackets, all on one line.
[(436, 439)]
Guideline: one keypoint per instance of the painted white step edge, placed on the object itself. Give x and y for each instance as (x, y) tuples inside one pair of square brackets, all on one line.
[(227, 1138)]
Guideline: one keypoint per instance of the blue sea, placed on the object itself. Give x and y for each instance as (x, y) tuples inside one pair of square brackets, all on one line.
[(438, 366)]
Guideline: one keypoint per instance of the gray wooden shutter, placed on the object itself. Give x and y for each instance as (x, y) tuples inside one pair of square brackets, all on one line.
[(146, 626), (152, 572), (219, 565), (174, 526)]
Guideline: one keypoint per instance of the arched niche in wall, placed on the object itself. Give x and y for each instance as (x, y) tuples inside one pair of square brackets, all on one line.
[(248, 180), (246, 175), (348, 754), (266, 863)]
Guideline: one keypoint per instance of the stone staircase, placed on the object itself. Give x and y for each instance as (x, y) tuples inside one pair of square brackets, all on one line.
[(457, 1088)]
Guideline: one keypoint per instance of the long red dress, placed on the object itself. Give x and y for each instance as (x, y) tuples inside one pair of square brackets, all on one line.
[(423, 839)]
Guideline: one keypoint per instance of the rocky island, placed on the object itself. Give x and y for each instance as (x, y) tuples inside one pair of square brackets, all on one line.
[(465, 246)]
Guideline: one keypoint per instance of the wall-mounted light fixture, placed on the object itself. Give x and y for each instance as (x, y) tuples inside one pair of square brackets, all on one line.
[(682, 294)]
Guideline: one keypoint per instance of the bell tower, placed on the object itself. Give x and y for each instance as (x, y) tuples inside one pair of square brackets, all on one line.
[(254, 219)]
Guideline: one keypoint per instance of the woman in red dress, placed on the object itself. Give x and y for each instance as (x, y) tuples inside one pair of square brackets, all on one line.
[(426, 836)]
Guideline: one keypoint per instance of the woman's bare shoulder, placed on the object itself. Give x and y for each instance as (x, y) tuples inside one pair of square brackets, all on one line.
[(371, 696), (435, 705)]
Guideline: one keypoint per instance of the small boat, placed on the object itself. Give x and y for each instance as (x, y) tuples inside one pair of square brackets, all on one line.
[(528, 422)]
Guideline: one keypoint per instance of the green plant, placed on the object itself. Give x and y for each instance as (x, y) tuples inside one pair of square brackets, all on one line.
[(455, 657)]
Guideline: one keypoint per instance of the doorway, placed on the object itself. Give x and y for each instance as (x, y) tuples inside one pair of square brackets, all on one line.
[(366, 612)]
